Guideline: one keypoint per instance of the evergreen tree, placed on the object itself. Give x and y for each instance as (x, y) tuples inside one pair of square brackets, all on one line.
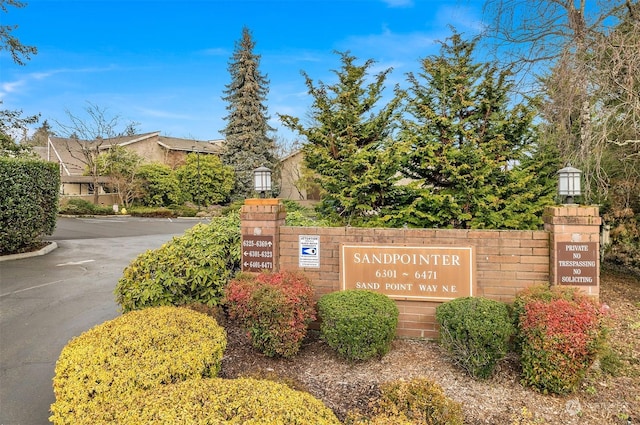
[(348, 145), (41, 135), (248, 144), (467, 149)]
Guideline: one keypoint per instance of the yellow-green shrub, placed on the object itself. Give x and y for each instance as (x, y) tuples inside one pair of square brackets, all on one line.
[(419, 401), (216, 401), (140, 350)]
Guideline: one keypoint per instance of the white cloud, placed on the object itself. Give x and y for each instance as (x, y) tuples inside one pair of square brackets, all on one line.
[(12, 87), (398, 3), (462, 18), (157, 113), (388, 45), (216, 51)]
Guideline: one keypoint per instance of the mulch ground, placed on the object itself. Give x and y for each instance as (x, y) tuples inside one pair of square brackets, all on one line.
[(344, 386)]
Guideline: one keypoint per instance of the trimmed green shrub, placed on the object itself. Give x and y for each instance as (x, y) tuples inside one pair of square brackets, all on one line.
[(561, 334), (28, 202), (419, 401), (275, 308), (157, 212), (83, 207), (216, 401), (140, 350), (476, 332), (358, 325), (192, 268)]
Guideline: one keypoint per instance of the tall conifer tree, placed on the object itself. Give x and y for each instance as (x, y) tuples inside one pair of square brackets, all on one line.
[(467, 148), (248, 144), (348, 145)]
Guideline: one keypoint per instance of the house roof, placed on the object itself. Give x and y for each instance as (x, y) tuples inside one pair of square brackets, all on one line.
[(127, 140), (189, 145), (68, 151)]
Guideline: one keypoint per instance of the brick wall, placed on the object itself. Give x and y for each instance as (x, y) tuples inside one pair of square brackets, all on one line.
[(506, 262)]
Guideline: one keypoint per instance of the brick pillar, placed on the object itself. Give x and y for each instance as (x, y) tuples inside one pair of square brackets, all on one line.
[(260, 221), (574, 246)]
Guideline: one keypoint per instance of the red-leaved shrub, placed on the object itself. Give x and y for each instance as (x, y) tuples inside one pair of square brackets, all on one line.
[(560, 338), (275, 309)]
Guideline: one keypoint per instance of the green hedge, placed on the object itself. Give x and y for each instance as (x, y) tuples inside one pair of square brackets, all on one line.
[(28, 202), (243, 401), (476, 332), (83, 207), (192, 268), (357, 324), (140, 350)]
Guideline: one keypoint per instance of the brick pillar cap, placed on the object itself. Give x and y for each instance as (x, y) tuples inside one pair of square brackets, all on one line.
[(262, 201)]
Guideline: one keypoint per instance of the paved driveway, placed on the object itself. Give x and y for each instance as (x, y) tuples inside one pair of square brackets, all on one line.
[(47, 300)]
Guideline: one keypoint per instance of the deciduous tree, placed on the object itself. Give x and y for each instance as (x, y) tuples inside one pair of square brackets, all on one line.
[(12, 123), (86, 136), (20, 53), (121, 165)]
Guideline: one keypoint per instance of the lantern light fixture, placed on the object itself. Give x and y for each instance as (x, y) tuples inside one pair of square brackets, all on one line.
[(569, 183), (262, 180)]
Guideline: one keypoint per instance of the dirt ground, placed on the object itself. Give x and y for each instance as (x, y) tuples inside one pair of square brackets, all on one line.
[(342, 386)]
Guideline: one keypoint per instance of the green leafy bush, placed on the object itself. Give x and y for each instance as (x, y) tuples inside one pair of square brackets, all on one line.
[(192, 268), (28, 202), (358, 325), (157, 212), (159, 185), (476, 332), (298, 215), (561, 334), (140, 350), (419, 401), (216, 401), (275, 308), (204, 180), (83, 207)]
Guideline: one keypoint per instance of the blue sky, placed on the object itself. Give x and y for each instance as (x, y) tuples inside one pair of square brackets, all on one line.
[(164, 63)]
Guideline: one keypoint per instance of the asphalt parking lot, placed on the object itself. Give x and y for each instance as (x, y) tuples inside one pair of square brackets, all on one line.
[(47, 300)]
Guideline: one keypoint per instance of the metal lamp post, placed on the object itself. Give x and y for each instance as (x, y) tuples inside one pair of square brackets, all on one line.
[(569, 183), (262, 181)]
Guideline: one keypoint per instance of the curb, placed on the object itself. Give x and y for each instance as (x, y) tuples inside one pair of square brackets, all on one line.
[(47, 249)]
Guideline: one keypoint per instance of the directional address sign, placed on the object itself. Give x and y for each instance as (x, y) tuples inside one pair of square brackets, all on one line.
[(257, 253)]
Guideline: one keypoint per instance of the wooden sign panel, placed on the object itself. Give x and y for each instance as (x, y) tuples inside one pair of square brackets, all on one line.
[(577, 263), (408, 272), (257, 253)]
